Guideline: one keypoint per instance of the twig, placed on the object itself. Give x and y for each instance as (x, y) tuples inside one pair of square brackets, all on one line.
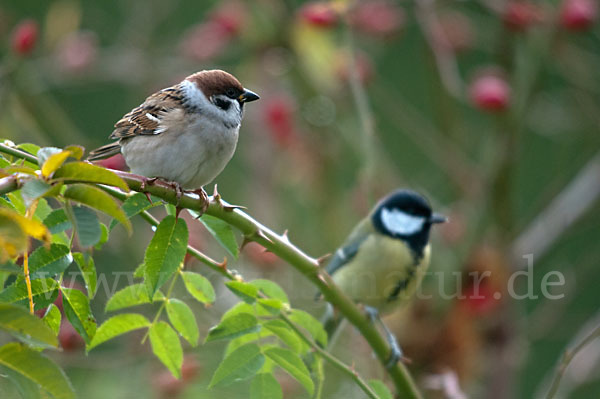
[(567, 358), (444, 57), (566, 208), (281, 246)]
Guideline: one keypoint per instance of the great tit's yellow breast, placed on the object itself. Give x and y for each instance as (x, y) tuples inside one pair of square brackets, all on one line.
[(383, 274)]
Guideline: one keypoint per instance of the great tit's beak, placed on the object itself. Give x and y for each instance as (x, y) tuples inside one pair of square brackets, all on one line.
[(247, 96), (437, 218)]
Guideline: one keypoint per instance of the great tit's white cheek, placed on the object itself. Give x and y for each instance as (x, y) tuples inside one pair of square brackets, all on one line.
[(402, 223)]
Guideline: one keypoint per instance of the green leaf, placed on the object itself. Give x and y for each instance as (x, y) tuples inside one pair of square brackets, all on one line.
[(97, 199), (75, 150), (57, 221), (381, 389), (88, 271), (77, 309), (293, 365), (310, 324), (183, 319), (245, 339), (166, 346), (222, 232), (29, 147), (18, 291), (199, 287), (270, 289), (54, 162), (34, 189), (134, 205), (165, 253), (118, 325), (27, 388), (52, 318), (88, 226), (30, 329), (265, 386), (103, 236), (285, 334), (42, 210), (234, 326), (240, 307), (45, 262), (271, 305), (241, 364), (246, 292), (86, 172), (37, 368), (132, 295)]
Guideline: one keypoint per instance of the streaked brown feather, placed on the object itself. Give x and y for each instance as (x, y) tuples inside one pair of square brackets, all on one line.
[(158, 105)]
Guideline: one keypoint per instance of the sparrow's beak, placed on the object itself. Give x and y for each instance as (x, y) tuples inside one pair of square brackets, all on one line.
[(437, 218), (247, 96)]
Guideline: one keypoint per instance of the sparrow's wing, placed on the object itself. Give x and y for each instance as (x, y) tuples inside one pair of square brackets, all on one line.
[(350, 248), (146, 119)]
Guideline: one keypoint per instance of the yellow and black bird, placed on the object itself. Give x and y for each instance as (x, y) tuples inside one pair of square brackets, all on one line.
[(383, 261)]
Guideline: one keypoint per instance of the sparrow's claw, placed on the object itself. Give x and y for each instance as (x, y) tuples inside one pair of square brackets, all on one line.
[(147, 181), (203, 199), (395, 350)]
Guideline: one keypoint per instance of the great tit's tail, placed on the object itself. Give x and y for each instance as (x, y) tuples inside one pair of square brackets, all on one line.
[(106, 151)]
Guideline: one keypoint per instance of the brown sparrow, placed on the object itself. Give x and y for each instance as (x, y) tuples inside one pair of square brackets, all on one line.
[(184, 134)]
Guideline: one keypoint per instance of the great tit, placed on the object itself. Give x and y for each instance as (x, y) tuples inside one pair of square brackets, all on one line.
[(383, 261)]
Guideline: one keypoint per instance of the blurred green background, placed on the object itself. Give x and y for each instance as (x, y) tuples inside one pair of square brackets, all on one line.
[(491, 109)]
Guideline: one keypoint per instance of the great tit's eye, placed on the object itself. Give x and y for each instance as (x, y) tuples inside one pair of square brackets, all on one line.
[(231, 93)]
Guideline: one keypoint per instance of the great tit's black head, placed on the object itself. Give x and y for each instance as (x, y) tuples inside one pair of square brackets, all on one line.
[(406, 215)]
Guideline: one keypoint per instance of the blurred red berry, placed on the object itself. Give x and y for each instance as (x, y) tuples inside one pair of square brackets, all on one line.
[(229, 16), (319, 14), (454, 32), (205, 41), (379, 18), (278, 116), (520, 15), (262, 258), (77, 52), (577, 15), (166, 385), (116, 162), (69, 338), (190, 369), (480, 299), (363, 64), (24, 37), (490, 92)]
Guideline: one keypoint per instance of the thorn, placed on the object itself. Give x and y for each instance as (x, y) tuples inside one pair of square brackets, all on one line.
[(147, 194), (223, 265), (260, 234), (321, 260), (247, 240), (216, 194), (231, 208), (320, 277), (406, 360), (177, 211)]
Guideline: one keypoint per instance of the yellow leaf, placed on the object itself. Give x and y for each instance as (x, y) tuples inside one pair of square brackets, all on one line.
[(13, 239), (54, 162), (29, 227)]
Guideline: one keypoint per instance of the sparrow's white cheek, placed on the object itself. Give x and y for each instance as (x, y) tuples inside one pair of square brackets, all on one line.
[(399, 222)]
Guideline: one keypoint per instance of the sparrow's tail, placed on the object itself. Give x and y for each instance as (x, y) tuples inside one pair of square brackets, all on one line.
[(106, 151)]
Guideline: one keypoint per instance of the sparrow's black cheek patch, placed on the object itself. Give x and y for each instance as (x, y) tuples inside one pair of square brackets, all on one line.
[(223, 104)]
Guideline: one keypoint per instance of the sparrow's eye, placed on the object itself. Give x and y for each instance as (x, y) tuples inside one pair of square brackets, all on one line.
[(231, 93)]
